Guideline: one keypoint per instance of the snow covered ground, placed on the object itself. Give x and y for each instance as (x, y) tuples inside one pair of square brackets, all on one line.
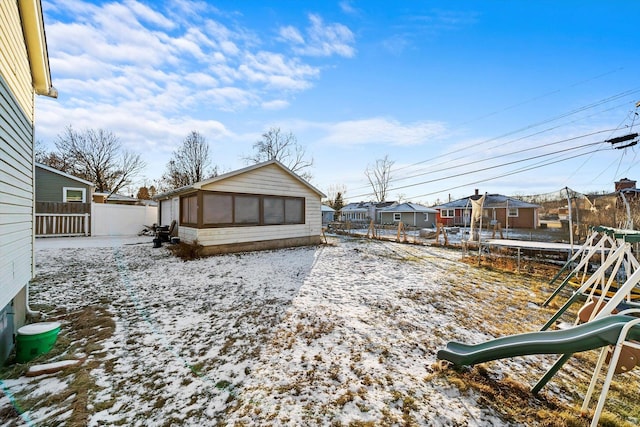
[(341, 333)]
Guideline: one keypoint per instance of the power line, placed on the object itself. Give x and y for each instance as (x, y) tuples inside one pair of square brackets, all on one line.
[(563, 115), (507, 174), (504, 155)]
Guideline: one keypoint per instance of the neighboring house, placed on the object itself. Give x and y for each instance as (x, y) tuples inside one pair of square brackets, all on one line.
[(263, 206), (364, 211), (119, 199), (63, 203), (628, 188), (53, 185), (410, 214), (24, 71), (509, 212), (328, 214)]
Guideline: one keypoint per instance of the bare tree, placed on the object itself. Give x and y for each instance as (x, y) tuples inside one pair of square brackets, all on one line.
[(379, 176), (284, 148), (333, 191), (189, 163), (96, 156)]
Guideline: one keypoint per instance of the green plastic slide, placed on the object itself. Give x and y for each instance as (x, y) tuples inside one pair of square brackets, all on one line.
[(586, 336)]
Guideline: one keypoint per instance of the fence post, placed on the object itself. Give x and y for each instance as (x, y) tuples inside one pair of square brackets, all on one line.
[(86, 224)]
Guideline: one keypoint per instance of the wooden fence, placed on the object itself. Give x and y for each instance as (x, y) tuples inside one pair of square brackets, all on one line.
[(62, 219)]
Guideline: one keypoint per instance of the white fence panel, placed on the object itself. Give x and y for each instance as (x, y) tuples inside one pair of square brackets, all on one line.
[(120, 220), (59, 225)]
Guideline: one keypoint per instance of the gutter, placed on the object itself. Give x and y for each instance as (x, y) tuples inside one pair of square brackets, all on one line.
[(35, 38)]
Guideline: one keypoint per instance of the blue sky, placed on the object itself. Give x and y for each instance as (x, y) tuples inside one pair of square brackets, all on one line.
[(510, 97)]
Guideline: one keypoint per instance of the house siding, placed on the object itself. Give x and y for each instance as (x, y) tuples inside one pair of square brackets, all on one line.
[(268, 180), (16, 175), (14, 62), (50, 185)]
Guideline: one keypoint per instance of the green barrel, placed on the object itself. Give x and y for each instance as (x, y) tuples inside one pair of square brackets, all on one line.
[(35, 339)]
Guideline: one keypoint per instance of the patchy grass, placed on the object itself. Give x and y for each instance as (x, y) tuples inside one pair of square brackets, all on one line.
[(80, 337)]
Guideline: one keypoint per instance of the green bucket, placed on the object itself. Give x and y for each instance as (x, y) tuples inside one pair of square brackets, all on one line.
[(35, 339)]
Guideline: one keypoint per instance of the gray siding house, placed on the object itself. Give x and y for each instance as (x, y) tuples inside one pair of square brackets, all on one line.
[(24, 71), (53, 185), (411, 214)]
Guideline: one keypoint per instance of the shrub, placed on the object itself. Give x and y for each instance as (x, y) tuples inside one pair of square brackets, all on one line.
[(187, 251)]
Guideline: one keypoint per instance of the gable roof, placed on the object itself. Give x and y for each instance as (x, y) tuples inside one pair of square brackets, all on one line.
[(409, 207), (491, 201), (66, 175), (365, 206), (199, 185)]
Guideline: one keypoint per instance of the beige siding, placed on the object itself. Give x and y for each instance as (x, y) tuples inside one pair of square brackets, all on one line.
[(14, 62), (16, 160), (269, 180)]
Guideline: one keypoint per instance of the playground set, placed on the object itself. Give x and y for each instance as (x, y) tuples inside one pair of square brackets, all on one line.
[(609, 318)]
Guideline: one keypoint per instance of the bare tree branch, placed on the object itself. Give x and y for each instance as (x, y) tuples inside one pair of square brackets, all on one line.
[(189, 163), (379, 176), (96, 156), (284, 148)]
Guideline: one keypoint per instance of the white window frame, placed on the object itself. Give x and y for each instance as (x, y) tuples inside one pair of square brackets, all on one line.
[(64, 194), (510, 214), (448, 213), (397, 216)]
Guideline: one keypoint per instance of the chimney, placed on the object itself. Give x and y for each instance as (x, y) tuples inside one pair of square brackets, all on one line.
[(477, 192), (624, 183)]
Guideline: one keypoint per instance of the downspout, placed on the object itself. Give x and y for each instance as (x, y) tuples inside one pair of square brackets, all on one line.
[(29, 312)]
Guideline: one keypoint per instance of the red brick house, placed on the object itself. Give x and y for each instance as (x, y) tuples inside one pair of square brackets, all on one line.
[(509, 212)]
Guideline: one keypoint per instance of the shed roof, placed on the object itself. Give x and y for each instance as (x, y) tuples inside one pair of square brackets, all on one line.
[(199, 185)]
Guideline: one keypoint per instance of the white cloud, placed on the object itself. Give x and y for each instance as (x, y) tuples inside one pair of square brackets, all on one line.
[(291, 34), (277, 104), (385, 131), (277, 71), (321, 39), (151, 72), (348, 8), (145, 13)]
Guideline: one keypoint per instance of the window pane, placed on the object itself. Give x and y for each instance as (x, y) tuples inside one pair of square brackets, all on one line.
[(217, 209), (189, 210), (273, 210), (74, 195), (247, 210), (294, 211)]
